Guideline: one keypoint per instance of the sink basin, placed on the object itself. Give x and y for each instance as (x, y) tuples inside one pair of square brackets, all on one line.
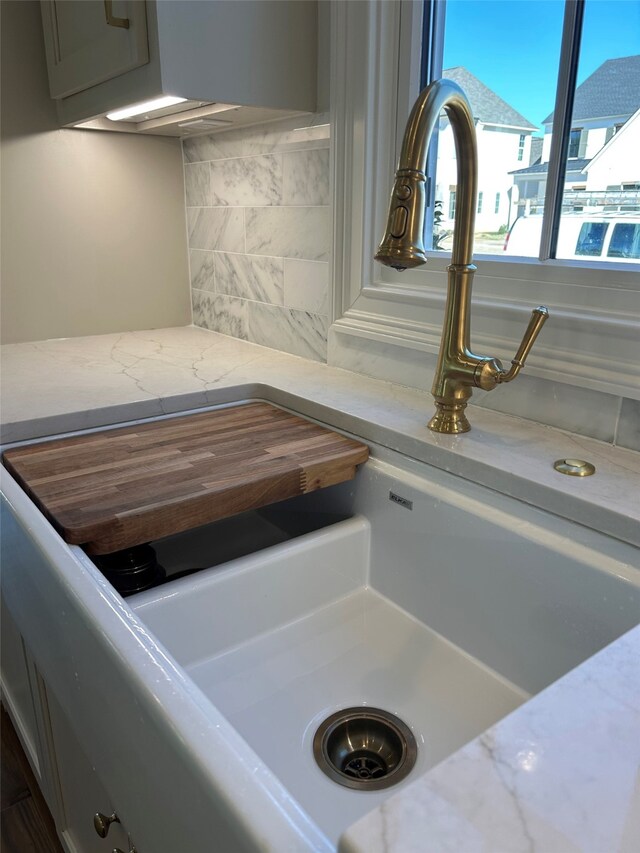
[(436, 600)]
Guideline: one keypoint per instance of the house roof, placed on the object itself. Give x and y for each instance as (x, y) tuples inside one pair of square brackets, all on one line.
[(573, 165), (612, 90), (487, 107)]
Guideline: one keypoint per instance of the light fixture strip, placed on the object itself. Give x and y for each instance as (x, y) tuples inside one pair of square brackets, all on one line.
[(145, 107)]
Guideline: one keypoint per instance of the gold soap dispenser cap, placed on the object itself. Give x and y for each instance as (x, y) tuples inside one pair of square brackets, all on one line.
[(574, 467)]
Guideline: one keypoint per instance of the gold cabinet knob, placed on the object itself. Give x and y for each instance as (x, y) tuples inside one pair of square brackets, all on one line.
[(101, 823)]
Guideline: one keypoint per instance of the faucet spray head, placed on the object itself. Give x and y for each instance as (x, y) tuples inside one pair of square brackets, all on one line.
[(403, 243)]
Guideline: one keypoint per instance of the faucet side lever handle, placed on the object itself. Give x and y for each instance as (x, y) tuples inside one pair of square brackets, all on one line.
[(538, 318)]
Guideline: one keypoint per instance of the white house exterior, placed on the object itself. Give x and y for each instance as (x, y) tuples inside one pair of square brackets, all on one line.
[(604, 105), (504, 143), (617, 164)]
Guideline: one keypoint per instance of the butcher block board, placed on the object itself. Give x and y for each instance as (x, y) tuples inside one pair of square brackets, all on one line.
[(121, 487)]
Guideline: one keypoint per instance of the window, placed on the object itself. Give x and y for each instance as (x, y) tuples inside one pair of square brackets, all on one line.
[(508, 100), (574, 142), (591, 238), (452, 204), (625, 240), (497, 207), (375, 51), (575, 46), (611, 132)]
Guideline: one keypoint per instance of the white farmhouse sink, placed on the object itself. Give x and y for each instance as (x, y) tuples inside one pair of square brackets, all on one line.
[(439, 601), (408, 589)]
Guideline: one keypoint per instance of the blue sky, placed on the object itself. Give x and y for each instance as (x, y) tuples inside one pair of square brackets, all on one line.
[(513, 45)]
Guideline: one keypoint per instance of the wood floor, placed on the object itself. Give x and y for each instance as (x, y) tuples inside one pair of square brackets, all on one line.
[(26, 823)]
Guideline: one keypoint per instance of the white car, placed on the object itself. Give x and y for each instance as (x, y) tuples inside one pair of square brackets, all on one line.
[(593, 237)]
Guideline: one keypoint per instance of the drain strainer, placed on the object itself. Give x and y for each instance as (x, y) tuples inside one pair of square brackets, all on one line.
[(365, 748)]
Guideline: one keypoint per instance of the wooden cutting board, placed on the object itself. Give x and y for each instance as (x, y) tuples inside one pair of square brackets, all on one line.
[(118, 488)]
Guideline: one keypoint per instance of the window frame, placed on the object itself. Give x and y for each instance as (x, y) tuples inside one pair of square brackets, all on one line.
[(381, 318)]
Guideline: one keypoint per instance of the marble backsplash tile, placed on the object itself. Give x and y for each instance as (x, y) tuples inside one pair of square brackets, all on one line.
[(290, 232), (259, 233), (250, 276), (628, 431), (300, 333), (578, 410), (306, 285), (197, 185), (306, 177), (201, 269), (220, 313), (297, 332), (246, 181), (216, 228)]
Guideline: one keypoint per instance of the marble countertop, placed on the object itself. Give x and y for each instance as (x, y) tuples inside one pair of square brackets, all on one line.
[(76, 383), (561, 773)]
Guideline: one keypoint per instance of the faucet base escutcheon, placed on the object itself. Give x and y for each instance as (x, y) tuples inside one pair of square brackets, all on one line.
[(449, 418)]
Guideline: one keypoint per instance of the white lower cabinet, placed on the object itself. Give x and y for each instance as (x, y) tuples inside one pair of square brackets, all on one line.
[(17, 689), (81, 793), (70, 784)]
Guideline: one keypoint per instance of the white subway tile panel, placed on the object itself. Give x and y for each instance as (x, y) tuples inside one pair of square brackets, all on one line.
[(306, 285), (201, 269), (220, 313), (250, 276), (216, 228), (289, 232), (628, 433), (247, 182), (579, 410), (306, 177), (296, 332), (197, 185)]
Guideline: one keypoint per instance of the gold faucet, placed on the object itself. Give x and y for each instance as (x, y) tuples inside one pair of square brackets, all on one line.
[(458, 370)]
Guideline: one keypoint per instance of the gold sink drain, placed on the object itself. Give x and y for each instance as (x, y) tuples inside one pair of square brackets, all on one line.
[(365, 748)]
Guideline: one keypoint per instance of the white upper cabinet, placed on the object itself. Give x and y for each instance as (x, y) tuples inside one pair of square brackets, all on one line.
[(232, 61), (90, 41)]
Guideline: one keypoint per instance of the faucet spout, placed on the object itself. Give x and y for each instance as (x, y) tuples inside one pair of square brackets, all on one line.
[(458, 370), (403, 243)]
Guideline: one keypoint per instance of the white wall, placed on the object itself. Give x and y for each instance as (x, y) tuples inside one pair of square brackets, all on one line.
[(497, 156), (93, 224), (619, 163)]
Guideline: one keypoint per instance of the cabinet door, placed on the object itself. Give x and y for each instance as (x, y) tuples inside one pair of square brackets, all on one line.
[(17, 687), (23, 699), (81, 793), (90, 41)]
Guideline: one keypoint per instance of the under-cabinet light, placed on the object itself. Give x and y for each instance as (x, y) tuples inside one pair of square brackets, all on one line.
[(146, 107)]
